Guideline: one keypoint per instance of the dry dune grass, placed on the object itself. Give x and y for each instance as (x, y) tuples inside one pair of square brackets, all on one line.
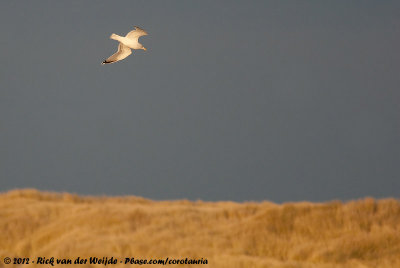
[(364, 233)]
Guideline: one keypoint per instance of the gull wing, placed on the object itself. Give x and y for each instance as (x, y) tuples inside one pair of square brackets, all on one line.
[(122, 53), (135, 34)]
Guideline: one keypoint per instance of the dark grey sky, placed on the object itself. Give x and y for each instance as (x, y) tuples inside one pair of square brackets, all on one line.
[(234, 100)]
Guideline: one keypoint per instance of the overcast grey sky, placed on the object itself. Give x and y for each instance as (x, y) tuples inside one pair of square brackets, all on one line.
[(233, 100)]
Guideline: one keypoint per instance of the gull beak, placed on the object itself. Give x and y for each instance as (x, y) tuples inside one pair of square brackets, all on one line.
[(144, 49)]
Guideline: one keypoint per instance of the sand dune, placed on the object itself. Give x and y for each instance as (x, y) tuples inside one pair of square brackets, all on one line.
[(363, 233)]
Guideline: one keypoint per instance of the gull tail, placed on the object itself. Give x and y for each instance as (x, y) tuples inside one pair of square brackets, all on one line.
[(114, 36)]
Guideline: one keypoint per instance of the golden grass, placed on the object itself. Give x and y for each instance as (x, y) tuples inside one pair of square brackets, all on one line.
[(363, 233)]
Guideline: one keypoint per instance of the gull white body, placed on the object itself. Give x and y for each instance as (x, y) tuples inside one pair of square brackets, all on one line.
[(126, 43), (129, 42)]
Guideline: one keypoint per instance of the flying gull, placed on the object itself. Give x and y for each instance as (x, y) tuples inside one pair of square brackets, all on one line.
[(130, 41)]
